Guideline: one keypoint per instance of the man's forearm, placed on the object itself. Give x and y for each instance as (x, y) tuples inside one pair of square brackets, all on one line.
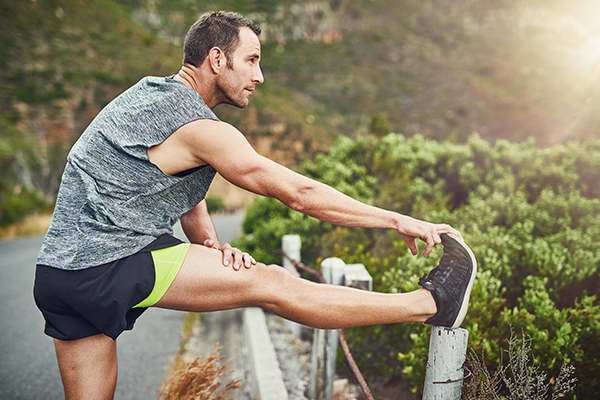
[(330, 205), (198, 226)]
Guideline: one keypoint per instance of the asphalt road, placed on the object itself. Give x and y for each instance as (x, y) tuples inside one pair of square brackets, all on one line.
[(28, 368)]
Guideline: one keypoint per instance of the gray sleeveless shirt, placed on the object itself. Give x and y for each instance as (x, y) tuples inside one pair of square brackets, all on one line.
[(113, 201)]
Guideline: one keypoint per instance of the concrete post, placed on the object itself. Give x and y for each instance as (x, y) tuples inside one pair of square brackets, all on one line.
[(291, 246), (358, 277), (333, 270), (447, 352), (325, 342)]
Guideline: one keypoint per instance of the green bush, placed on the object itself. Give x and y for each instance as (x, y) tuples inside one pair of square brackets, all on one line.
[(530, 214), (214, 204), (379, 125), (18, 202)]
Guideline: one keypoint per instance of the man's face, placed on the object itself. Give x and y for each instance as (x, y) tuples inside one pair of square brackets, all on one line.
[(237, 84)]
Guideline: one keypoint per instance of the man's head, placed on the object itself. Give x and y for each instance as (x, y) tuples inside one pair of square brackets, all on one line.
[(215, 29)]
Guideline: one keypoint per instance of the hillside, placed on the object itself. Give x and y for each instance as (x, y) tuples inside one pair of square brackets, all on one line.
[(503, 69), (444, 69), (60, 63)]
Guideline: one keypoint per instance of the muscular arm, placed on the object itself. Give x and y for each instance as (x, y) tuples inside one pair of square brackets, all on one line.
[(227, 150), (198, 226)]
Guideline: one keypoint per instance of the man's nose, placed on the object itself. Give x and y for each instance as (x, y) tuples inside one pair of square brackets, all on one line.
[(258, 76)]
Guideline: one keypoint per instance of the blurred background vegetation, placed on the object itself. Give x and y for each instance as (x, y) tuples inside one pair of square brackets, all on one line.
[(531, 216), (493, 105)]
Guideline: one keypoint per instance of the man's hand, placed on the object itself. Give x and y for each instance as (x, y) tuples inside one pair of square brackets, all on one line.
[(232, 255), (412, 229)]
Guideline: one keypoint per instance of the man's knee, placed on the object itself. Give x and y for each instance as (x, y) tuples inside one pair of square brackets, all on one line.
[(268, 279), (273, 271)]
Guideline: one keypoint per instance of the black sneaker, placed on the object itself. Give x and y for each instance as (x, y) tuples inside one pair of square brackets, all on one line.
[(450, 282)]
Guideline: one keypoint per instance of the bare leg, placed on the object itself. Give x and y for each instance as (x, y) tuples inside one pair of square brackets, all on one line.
[(204, 284), (88, 367)]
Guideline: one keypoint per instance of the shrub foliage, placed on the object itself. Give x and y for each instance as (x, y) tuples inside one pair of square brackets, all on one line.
[(530, 214)]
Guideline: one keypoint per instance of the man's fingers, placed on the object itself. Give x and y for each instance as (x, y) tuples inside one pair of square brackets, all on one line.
[(412, 245), (239, 258), (457, 233), (432, 239), (429, 247), (428, 233), (445, 228), (227, 254), (249, 261)]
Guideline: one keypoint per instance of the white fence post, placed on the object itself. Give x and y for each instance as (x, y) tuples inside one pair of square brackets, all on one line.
[(325, 341), (358, 277), (291, 246), (447, 352)]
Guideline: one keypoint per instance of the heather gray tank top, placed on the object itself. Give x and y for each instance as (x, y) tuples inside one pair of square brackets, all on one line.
[(113, 201)]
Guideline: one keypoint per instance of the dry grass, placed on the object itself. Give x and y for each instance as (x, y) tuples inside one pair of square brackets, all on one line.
[(483, 385), (200, 380), (520, 379), (190, 326), (31, 225)]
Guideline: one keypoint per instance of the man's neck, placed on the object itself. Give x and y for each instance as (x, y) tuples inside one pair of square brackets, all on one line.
[(190, 76)]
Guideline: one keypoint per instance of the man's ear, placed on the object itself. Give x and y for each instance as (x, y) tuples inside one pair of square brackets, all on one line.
[(216, 59)]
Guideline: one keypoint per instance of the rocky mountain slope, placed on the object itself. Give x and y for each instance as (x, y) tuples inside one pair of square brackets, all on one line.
[(444, 69)]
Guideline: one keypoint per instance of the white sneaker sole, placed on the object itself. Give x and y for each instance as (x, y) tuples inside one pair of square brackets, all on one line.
[(465, 302)]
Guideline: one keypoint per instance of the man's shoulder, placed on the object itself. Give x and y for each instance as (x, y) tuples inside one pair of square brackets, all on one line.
[(163, 86), (214, 128), (163, 98)]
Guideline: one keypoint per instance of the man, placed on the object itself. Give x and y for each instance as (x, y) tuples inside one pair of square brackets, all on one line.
[(146, 161)]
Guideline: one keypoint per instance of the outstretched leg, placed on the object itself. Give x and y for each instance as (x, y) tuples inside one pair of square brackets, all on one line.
[(88, 367), (204, 284)]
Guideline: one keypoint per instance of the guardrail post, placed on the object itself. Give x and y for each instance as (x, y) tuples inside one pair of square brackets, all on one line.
[(325, 341), (291, 246), (357, 276), (447, 352)]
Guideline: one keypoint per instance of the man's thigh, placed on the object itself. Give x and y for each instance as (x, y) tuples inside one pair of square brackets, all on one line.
[(88, 367), (205, 284)]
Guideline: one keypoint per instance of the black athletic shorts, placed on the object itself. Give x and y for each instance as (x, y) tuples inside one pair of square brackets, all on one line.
[(102, 299)]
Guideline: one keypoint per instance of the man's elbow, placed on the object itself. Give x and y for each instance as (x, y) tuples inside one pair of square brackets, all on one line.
[(300, 200), (296, 205)]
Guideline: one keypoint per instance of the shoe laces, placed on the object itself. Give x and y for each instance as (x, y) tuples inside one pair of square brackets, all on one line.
[(440, 274)]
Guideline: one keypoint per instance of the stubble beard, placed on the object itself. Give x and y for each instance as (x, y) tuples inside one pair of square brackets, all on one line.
[(227, 89)]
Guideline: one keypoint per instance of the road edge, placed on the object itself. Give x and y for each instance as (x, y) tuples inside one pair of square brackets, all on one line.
[(267, 379)]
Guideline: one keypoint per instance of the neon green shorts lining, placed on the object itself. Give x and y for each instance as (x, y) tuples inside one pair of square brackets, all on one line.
[(167, 263)]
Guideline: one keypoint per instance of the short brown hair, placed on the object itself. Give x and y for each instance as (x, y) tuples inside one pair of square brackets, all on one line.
[(215, 29)]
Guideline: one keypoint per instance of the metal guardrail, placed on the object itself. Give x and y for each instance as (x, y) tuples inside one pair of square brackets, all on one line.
[(325, 341), (447, 347)]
